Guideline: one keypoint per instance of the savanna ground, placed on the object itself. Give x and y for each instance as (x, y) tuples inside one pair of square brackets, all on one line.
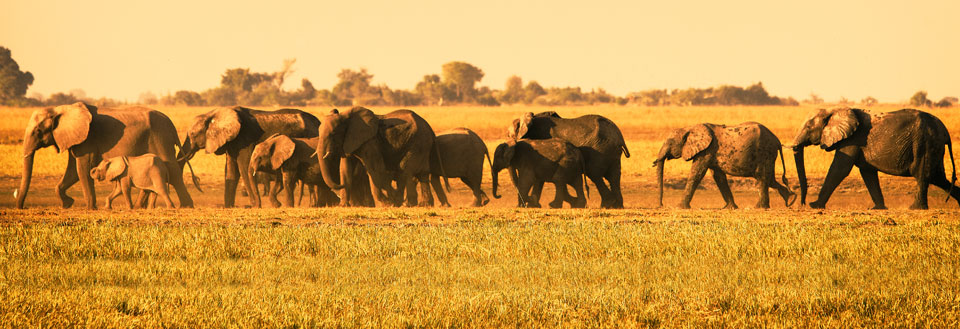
[(493, 266)]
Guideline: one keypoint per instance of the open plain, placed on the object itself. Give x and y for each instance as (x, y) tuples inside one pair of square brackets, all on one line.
[(492, 266)]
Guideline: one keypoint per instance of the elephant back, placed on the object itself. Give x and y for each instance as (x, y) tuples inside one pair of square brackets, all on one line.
[(291, 122)]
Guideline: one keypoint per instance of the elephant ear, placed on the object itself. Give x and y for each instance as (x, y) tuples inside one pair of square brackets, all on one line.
[(283, 148), (362, 125), (115, 167), (223, 126), (523, 125), (73, 125), (697, 139), (840, 125)]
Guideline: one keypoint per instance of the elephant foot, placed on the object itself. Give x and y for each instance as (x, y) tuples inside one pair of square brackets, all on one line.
[(762, 205), (733, 206), (879, 207), (818, 205), (918, 206), (684, 206), (275, 203), (556, 205)]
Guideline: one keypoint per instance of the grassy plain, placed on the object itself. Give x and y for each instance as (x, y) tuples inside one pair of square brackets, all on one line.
[(487, 267)]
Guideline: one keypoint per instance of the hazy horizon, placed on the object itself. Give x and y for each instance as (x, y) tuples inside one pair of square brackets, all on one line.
[(120, 49)]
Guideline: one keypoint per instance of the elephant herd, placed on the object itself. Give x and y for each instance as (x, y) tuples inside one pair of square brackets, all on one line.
[(359, 158)]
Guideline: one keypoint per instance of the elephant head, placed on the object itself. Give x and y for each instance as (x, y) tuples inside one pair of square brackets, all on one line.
[(502, 157), (216, 130), (272, 153), (109, 169), (686, 143), (61, 127), (824, 128), (342, 134)]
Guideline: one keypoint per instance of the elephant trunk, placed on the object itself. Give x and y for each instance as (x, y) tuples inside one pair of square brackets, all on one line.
[(496, 175), (327, 175), (187, 151), (30, 145), (660, 182), (21, 193), (514, 178), (801, 174)]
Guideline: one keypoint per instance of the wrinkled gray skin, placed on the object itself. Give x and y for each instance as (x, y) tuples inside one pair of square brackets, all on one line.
[(745, 150), (146, 172), (396, 146), (293, 159), (598, 139), (905, 143), (91, 134), (461, 152), (533, 162), (234, 132)]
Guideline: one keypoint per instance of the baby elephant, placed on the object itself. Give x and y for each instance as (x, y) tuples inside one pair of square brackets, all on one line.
[(745, 150), (146, 172), (533, 162), (461, 154), (294, 160)]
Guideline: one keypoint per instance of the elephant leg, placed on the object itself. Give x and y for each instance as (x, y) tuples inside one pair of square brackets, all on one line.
[(231, 174), (523, 193), (84, 164), (724, 186), (289, 186), (117, 190), (560, 194), (580, 201), (872, 182), (535, 192), (842, 163), (602, 189), (436, 181), (276, 184), (175, 176), (427, 201), (763, 191), (697, 172), (152, 200), (143, 200), (126, 186), (613, 176), (69, 178), (480, 199), (162, 190)]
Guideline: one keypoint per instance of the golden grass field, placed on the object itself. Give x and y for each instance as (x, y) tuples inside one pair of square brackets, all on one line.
[(494, 266)]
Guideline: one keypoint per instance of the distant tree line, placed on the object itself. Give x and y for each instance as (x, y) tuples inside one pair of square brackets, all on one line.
[(456, 84)]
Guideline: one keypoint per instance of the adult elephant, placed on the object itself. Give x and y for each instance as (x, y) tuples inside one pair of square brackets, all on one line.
[(745, 150), (234, 132), (901, 143), (397, 145), (598, 139), (91, 134)]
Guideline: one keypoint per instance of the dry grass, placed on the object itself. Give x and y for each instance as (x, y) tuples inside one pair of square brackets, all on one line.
[(486, 267)]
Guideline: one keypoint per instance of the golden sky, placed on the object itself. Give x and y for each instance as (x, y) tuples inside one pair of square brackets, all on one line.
[(852, 49)]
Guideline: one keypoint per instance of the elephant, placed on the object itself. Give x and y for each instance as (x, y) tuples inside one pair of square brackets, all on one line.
[(146, 172), (598, 139), (745, 150), (462, 152), (234, 132), (907, 143), (90, 134), (532, 162), (293, 159), (394, 146)]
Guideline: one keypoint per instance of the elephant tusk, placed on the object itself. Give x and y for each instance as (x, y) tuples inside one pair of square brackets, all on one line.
[(16, 192)]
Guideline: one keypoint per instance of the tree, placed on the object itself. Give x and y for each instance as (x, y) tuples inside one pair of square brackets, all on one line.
[(919, 99), (814, 99), (147, 98), (431, 90), (60, 99), (946, 102), (462, 77), (513, 91), (868, 101), (532, 91), (186, 98), (285, 71), (13, 82), (242, 80), (352, 87)]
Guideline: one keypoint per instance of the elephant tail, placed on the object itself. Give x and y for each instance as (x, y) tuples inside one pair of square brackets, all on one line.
[(446, 181), (623, 147), (952, 164), (784, 165)]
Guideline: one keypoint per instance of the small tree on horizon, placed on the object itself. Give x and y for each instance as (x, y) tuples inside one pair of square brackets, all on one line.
[(919, 99), (463, 77)]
